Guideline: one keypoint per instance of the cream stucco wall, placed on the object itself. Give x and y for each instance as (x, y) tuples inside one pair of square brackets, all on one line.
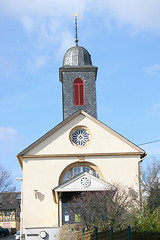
[(113, 157), (43, 175)]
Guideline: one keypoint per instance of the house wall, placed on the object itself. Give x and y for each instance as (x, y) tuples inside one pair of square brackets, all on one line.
[(9, 221)]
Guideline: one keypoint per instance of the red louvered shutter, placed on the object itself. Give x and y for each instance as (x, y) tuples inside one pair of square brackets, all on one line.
[(76, 98), (81, 94), (78, 91)]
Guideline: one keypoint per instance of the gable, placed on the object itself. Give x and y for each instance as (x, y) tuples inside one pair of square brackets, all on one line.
[(104, 140), (83, 182)]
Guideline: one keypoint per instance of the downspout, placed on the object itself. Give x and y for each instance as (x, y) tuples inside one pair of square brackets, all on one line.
[(140, 178), (140, 181)]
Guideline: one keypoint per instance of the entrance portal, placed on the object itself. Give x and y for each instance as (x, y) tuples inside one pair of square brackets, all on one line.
[(67, 215), (82, 182)]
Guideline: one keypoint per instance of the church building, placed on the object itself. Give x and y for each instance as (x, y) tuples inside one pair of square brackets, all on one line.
[(79, 154)]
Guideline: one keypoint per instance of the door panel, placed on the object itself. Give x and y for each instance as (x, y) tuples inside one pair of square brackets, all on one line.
[(67, 215)]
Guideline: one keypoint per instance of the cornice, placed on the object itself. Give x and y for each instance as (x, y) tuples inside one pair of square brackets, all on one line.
[(82, 155)]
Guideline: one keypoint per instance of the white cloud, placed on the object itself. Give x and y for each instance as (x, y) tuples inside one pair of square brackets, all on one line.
[(49, 21), (156, 108), (48, 32), (66, 42), (61, 8), (38, 62), (153, 69), (27, 22), (141, 15), (8, 134)]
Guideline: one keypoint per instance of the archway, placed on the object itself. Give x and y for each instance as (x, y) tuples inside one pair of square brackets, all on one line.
[(86, 167), (88, 180)]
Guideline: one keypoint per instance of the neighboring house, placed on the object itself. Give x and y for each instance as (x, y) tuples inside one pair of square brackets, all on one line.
[(79, 154), (10, 210)]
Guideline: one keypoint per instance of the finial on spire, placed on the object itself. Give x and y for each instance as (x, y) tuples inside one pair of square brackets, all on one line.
[(76, 32)]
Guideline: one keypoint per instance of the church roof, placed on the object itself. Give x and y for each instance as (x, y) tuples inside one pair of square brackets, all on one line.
[(77, 56)]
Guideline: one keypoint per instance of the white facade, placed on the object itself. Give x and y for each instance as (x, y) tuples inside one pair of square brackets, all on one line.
[(45, 163)]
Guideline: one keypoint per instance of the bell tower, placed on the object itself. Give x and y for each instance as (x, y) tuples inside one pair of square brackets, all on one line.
[(78, 77)]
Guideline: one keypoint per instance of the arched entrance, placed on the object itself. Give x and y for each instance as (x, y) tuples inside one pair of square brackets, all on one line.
[(68, 216), (72, 187)]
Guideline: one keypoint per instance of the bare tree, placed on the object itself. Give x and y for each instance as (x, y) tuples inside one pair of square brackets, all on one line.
[(150, 176), (6, 181), (7, 190), (151, 185), (103, 208)]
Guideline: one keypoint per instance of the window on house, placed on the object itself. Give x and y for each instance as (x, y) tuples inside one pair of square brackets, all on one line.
[(79, 92)]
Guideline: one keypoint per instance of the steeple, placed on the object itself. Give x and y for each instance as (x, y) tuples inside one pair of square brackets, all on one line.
[(78, 77)]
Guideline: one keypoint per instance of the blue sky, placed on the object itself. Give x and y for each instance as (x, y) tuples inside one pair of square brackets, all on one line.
[(123, 38)]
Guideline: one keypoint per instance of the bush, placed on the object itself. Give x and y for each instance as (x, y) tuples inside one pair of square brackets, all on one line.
[(145, 220), (69, 232)]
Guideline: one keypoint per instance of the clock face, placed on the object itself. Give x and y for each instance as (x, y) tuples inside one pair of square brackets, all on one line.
[(80, 137)]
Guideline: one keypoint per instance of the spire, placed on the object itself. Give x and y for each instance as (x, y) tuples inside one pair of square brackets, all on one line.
[(76, 32)]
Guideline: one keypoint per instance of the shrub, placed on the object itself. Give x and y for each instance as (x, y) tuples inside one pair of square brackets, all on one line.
[(69, 232)]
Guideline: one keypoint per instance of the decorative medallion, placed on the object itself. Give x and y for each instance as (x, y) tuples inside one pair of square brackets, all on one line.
[(80, 136), (85, 181)]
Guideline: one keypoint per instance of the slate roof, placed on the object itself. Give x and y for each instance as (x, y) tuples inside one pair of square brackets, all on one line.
[(77, 56)]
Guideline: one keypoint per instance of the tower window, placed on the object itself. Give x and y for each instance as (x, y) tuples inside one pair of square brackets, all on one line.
[(78, 91)]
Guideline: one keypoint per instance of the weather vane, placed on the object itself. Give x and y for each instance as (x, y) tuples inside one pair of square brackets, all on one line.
[(76, 32)]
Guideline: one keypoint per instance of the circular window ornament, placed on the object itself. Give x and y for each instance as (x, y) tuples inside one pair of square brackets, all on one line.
[(43, 234), (85, 181), (80, 136)]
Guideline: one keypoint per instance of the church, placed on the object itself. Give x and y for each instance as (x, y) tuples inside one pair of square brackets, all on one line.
[(79, 154)]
